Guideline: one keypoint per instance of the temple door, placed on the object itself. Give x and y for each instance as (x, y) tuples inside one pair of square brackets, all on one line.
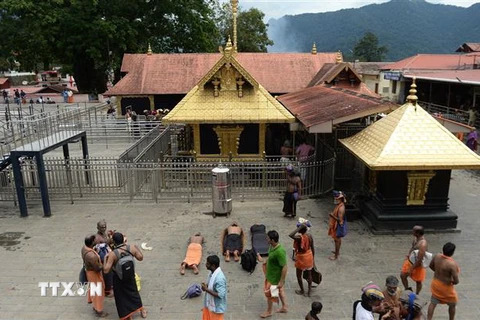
[(228, 139)]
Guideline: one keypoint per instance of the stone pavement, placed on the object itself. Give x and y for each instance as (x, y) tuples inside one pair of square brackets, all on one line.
[(48, 249)]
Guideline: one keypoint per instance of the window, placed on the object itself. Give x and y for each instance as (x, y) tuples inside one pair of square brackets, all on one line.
[(394, 86), (376, 87)]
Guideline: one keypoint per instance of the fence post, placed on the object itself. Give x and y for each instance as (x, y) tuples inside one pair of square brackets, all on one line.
[(154, 182), (243, 181), (131, 184)]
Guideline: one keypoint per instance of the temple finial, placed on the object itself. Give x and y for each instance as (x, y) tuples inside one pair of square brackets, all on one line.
[(339, 58), (314, 48), (228, 47), (149, 50), (234, 14), (412, 97)]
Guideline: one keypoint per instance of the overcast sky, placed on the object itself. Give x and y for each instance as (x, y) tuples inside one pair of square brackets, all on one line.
[(279, 8)]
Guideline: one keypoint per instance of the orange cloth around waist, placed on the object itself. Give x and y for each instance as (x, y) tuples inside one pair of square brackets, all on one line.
[(96, 301), (194, 254), (304, 261), (445, 293), (418, 274), (268, 293), (210, 315)]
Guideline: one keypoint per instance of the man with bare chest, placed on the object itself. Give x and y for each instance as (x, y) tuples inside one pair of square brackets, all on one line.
[(232, 241), (293, 193), (416, 271), (443, 282)]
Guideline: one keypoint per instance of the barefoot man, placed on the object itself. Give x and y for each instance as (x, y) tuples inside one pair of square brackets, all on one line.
[(416, 271), (275, 269), (233, 241), (194, 253), (445, 277), (336, 217)]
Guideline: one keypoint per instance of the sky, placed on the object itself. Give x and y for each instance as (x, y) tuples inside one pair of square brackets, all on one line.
[(279, 8)]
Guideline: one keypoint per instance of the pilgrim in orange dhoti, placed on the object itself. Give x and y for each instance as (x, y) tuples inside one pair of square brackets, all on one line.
[(193, 255), (96, 301), (303, 253), (444, 293), (418, 274), (210, 315)]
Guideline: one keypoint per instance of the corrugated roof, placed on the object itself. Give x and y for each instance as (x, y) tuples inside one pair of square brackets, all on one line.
[(178, 73), (325, 103), (434, 62), (471, 76), (409, 138)]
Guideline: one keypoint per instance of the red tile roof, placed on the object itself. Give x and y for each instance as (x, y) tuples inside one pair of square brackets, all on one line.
[(435, 62), (325, 103), (471, 76), (179, 73)]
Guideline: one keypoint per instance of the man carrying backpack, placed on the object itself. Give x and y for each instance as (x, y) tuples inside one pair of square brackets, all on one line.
[(121, 261)]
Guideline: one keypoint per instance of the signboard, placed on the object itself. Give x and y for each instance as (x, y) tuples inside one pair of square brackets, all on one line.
[(392, 75)]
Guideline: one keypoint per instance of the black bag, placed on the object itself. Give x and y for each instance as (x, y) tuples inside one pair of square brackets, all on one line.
[(249, 260), (82, 277), (125, 266), (316, 276)]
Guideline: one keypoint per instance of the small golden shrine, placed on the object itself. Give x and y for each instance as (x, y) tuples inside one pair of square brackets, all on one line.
[(409, 156), (228, 110)]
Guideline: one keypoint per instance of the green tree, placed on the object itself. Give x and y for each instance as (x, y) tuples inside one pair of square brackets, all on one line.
[(251, 30), (91, 36), (367, 49)]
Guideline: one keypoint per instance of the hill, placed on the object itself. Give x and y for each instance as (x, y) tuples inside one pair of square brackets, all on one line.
[(405, 27)]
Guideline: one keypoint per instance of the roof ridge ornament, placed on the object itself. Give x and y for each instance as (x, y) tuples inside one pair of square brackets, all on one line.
[(149, 50), (228, 51), (339, 58), (234, 15), (412, 97), (314, 48)]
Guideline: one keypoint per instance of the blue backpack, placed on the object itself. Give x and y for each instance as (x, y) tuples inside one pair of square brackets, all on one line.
[(193, 291)]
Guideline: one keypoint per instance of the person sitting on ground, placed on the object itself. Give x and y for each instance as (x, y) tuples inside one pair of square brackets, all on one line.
[(233, 241), (316, 309), (194, 253)]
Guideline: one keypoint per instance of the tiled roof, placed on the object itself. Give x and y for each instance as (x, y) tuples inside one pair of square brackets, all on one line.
[(371, 68), (178, 73), (434, 62), (334, 104), (471, 76), (3, 80), (409, 138)]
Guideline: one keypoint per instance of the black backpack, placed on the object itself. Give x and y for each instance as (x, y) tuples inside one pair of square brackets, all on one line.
[(125, 265), (249, 260)]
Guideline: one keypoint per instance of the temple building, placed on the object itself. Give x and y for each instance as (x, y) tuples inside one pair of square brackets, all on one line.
[(408, 157)]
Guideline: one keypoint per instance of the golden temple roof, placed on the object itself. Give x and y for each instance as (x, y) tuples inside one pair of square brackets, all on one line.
[(409, 138), (256, 106)]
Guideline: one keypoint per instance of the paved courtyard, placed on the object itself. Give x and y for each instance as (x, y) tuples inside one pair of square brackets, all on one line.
[(48, 249)]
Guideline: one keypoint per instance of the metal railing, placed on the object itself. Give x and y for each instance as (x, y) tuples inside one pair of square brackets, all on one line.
[(106, 180)]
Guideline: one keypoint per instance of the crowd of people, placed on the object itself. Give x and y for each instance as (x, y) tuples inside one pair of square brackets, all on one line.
[(102, 252)]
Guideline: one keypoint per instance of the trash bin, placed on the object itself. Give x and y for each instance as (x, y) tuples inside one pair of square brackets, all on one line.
[(221, 190)]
